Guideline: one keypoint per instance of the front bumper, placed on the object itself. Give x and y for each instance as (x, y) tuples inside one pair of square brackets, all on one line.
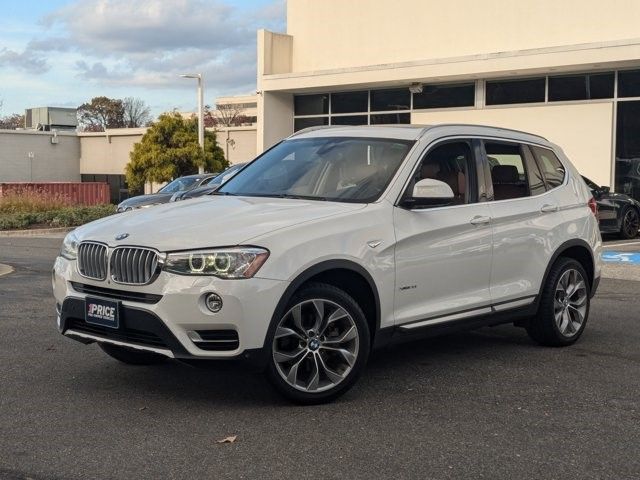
[(163, 316)]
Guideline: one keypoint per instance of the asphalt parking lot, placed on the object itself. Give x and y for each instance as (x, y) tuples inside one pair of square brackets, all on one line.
[(485, 404)]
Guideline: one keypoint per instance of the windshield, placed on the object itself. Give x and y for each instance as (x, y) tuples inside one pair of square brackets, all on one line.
[(342, 169), (179, 185)]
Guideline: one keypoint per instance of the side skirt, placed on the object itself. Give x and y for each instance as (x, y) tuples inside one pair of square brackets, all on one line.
[(515, 311)]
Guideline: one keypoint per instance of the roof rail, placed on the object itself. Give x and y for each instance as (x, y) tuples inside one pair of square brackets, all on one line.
[(486, 126), (311, 129)]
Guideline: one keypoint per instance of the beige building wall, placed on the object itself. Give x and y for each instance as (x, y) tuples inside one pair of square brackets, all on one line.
[(31, 156), (107, 152), (584, 131), (238, 143), (331, 34)]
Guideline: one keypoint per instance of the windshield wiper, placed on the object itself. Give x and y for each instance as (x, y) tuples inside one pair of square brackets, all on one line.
[(301, 197), (223, 193)]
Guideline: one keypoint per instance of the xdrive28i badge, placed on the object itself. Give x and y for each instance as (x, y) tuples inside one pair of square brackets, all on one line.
[(122, 236)]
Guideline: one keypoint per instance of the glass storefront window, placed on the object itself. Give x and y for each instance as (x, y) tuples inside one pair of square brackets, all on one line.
[(300, 123), (445, 96), (311, 104), (349, 120), (350, 102), (581, 87), (628, 149), (395, 99), (629, 83), (504, 92)]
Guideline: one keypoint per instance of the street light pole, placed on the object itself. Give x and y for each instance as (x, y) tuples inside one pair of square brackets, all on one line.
[(200, 110)]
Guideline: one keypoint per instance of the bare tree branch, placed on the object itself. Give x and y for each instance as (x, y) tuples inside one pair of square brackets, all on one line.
[(136, 112)]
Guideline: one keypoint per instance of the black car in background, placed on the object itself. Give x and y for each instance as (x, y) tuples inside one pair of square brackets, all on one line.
[(617, 213), (210, 185), (182, 184)]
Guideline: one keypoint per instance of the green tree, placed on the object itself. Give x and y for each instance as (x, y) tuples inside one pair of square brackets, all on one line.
[(170, 149), (101, 113)]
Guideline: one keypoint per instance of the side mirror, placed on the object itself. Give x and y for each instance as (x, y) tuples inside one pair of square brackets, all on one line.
[(429, 191)]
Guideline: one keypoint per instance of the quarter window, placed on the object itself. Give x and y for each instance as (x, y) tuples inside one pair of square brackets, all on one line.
[(534, 175), (552, 169)]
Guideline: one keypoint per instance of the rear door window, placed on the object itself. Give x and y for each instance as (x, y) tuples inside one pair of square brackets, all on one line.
[(508, 174)]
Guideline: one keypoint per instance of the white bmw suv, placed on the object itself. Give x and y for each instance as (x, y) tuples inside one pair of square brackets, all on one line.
[(334, 242)]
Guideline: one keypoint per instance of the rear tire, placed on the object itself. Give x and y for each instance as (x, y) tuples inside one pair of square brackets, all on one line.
[(630, 223), (564, 305), (131, 356), (319, 347)]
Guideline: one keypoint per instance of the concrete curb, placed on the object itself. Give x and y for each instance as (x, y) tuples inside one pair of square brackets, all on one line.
[(5, 269), (34, 232)]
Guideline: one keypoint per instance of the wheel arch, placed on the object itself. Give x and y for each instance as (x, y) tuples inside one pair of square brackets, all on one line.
[(347, 275), (578, 250)]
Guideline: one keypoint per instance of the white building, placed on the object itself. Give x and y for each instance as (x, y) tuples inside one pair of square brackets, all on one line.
[(568, 70)]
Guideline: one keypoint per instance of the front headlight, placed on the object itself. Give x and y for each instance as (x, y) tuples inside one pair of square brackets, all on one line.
[(239, 262), (70, 246)]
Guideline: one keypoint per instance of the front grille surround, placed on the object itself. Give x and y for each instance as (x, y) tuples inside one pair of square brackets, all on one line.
[(123, 265), (92, 260)]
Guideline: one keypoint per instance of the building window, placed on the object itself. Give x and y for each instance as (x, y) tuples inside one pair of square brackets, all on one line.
[(390, 118), (581, 87), (445, 96), (396, 99), (629, 83), (349, 120), (375, 107), (350, 102), (306, 122), (628, 149), (504, 92), (311, 104)]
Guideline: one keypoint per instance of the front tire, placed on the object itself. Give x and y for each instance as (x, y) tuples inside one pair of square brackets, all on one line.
[(131, 356), (564, 305), (319, 347), (630, 223)]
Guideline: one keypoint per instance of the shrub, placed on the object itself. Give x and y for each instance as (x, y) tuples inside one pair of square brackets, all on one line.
[(61, 217)]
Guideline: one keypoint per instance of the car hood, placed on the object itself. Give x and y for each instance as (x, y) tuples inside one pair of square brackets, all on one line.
[(211, 221), (150, 199)]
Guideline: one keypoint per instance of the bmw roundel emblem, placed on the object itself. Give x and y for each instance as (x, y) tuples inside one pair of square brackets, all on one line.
[(122, 236)]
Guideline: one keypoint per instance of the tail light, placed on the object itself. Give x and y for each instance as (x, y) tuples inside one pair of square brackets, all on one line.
[(593, 205)]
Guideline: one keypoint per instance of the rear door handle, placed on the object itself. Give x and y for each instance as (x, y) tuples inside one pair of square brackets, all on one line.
[(547, 208), (480, 220)]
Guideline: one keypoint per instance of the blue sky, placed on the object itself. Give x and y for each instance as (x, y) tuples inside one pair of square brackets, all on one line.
[(64, 52)]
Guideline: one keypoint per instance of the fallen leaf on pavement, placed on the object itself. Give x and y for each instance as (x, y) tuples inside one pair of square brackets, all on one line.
[(230, 439)]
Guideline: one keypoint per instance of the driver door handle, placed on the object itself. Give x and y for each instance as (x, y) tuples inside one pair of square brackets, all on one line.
[(547, 208), (480, 220)]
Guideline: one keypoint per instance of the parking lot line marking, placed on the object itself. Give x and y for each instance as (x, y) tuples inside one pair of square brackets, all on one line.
[(607, 245)]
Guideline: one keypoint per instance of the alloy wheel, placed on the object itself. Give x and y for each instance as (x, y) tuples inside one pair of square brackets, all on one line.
[(631, 223), (315, 346), (570, 302)]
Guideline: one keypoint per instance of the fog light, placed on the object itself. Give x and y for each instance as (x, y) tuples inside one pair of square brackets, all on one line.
[(213, 302)]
